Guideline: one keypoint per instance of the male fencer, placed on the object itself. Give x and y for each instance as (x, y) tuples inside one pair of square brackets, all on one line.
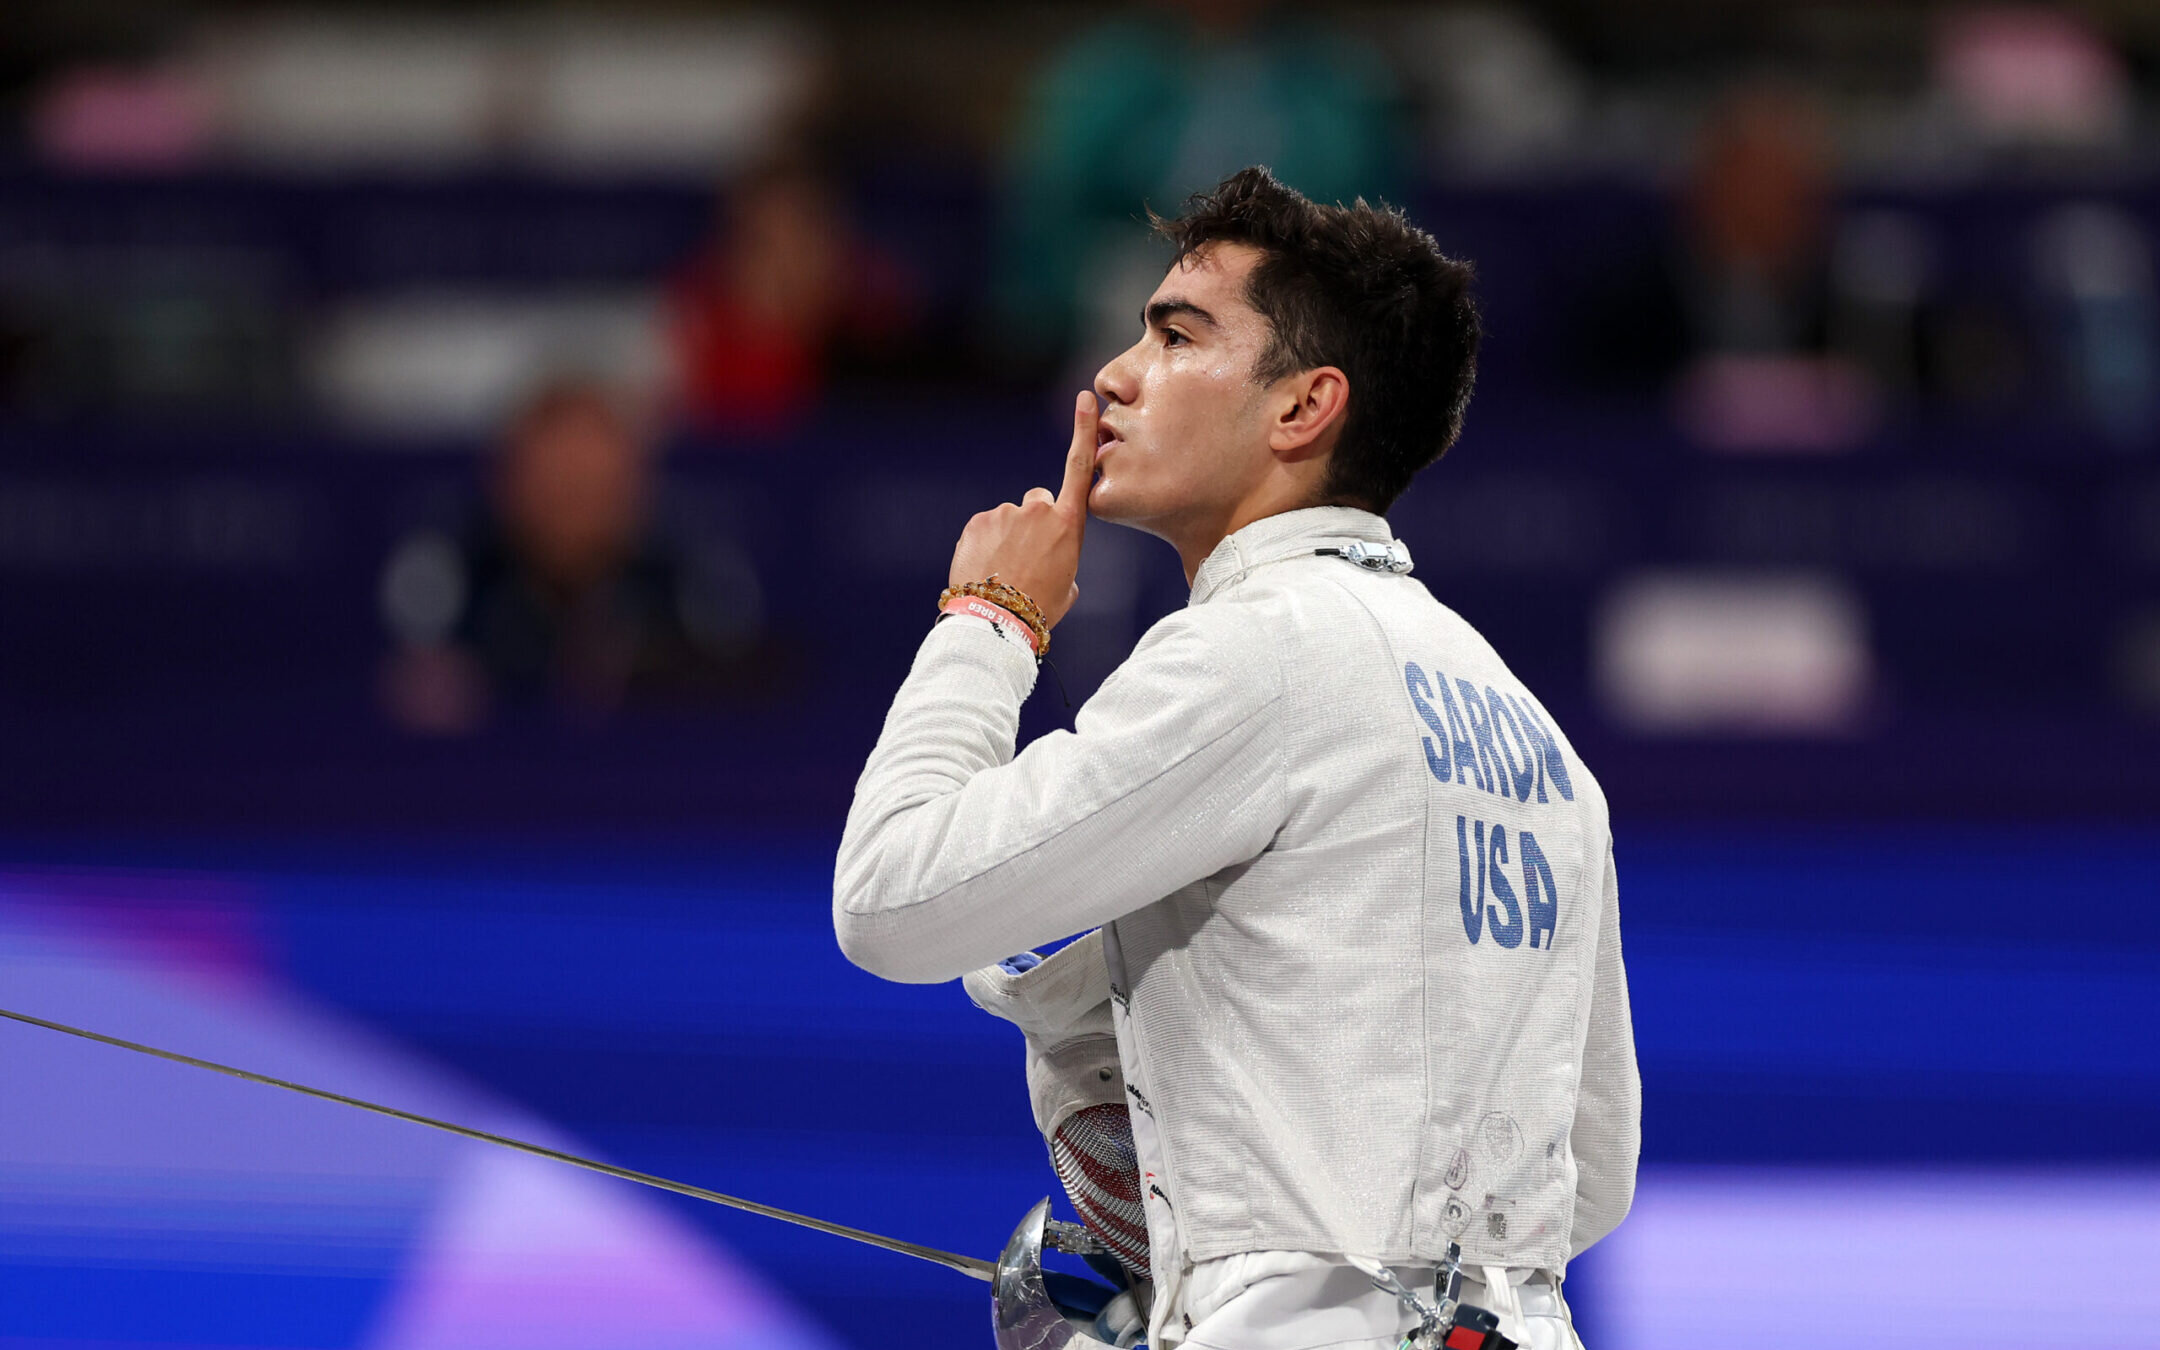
[(1351, 969)]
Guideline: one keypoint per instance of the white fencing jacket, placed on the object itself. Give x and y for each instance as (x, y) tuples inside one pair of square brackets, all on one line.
[(1360, 927)]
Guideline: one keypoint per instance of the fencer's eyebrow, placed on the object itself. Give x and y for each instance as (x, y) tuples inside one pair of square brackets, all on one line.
[(1162, 311)]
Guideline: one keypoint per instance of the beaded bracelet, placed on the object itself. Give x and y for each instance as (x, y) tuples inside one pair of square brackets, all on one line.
[(1009, 598), (1006, 624)]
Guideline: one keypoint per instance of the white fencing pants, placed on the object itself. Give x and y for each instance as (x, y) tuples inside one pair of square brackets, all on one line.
[(1309, 1304)]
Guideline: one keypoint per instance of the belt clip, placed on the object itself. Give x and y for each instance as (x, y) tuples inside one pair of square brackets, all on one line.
[(1443, 1323)]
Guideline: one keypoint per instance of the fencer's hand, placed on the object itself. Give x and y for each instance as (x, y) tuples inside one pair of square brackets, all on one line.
[(1035, 546)]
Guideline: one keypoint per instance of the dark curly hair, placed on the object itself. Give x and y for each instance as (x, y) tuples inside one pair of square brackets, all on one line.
[(1361, 288)]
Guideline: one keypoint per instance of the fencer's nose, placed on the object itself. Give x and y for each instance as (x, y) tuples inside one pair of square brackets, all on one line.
[(1116, 383)]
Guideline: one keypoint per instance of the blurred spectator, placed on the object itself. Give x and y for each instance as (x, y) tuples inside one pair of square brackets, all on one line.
[(117, 118), (1499, 97), (1145, 110), (1883, 277), (1749, 310), (1756, 290), (2032, 80), (568, 587), (1757, 215), (784, 292), (2095, 270)]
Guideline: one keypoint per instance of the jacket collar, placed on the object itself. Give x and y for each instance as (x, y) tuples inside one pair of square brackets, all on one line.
[(1288, 534)]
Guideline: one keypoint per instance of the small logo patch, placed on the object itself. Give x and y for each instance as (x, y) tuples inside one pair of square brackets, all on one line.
[(1499, 1137), (1458, 1170), (1455, 1216)]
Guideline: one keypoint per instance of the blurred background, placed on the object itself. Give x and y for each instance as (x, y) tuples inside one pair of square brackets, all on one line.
[(473, 475)]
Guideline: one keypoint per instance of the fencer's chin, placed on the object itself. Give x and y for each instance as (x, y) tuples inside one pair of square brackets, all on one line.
[(1104, 502), (1118, 502)]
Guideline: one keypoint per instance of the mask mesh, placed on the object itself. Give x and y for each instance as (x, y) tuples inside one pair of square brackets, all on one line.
[(1093, 1153)]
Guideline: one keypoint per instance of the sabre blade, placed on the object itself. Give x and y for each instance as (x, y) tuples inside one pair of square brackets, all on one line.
[(966, 1265)]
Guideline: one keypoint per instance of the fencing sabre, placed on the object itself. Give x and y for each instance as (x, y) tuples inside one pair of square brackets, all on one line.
[(966, 1265)]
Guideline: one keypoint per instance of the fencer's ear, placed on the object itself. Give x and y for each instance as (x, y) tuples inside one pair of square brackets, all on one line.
[(1309, 410)]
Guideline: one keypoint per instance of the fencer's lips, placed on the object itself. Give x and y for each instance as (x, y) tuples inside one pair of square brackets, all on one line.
[(1105, 437)]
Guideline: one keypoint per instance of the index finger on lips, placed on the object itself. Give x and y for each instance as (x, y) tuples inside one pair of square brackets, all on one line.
[(1080, 458)]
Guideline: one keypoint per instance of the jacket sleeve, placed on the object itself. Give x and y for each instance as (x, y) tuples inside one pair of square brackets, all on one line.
[(1607, 1134), (957, 853)]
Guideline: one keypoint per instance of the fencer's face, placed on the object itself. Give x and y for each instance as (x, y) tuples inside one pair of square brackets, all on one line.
[(1184, 428)]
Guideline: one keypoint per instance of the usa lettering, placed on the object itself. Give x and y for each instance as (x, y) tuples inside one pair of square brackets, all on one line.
[(1492, 741), (1495, 910)]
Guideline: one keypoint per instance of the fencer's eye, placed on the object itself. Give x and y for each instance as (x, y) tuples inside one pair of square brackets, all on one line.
[(1173, 338)]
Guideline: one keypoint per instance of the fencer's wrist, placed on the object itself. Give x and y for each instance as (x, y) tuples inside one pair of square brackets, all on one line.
[(1015, 602), (1007, 624)]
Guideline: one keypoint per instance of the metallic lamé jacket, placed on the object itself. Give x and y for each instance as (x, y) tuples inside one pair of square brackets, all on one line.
[(1360, 922)]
